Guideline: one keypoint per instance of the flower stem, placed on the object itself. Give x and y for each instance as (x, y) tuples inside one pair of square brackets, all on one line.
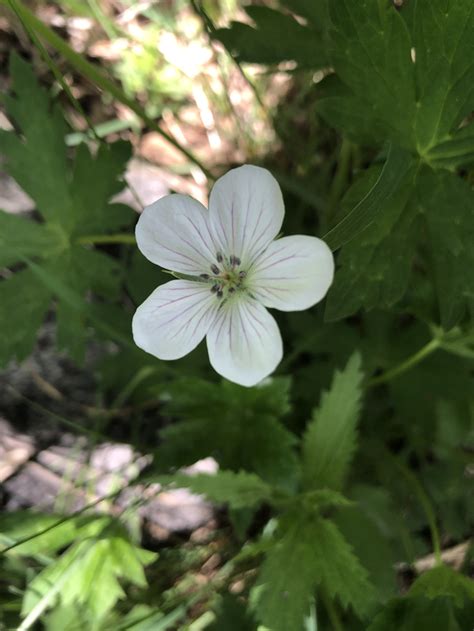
[(106, 238), (408, 363), (425, 504)]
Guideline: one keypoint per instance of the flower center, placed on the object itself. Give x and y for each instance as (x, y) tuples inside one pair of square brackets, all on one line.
[(226, 276)]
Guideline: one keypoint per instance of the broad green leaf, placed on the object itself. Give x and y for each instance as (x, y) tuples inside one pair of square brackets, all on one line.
[(73, 201), (43, 128), (447, 203), (24, 303), (411, 78), (73, 301), (398, 169), (95, 181), (456, 152), (239, 427), (372, 547), (330, 438), (89, 573), (276, 37), (371, 53), (444, 581), (22, 237), (232, 615), (443, 32), (416, 614), (310, 552), (375, 266), (44, 533), (238, 490)]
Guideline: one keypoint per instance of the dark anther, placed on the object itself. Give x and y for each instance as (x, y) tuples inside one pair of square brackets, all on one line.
[(237, 261), (231, 290), (219, 257), (242, 274), (215, 289), (214, 269), (220, 293), (205, 276)]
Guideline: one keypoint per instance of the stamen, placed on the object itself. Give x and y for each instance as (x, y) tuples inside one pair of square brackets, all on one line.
[(219, 257), (237, 261), (220, 293), (215, 270), (205, 276), (215, 289), (242, 274), (231, 290)]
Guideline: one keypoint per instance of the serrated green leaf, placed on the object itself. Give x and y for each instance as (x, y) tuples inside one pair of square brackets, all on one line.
[(371, 53), (414, 85), (72, 201), (95, 181), (232, 615), (309, 553), (89, 573), (415, 615), (238, 426), (24, 304), (238, 490), (444, 581), (42, 532), (330, 438), (375, 266), (448, 206), (22, 237), (276, 37), (443, 32), (372, 547), (43, 129)]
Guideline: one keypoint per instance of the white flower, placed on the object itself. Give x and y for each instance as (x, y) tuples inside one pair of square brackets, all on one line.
[(230, 269)]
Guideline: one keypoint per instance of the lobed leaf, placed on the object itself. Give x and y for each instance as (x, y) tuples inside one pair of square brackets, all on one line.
[(238, 490), (330, 438), (276, 37), (239, 427), (310, 552)]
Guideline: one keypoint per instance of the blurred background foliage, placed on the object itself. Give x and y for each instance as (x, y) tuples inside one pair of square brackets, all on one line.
[(341, 488)]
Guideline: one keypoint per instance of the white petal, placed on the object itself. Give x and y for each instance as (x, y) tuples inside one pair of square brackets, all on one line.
[(174, 318), (174, 233), (293, 273), (244, 342), (246, 211)]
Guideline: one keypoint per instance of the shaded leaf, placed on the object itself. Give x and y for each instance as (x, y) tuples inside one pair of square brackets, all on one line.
[(238, 426), (309, 552), (330, 438), (276, 37), (238, 490)]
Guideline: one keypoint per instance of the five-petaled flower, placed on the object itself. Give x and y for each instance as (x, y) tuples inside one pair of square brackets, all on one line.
[(230, 268)]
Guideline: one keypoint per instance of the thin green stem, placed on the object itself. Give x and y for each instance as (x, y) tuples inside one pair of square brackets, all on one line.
[(426, 505), (407, 364), (209, 24), (93, 74), (61, 521), (102, 239)]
